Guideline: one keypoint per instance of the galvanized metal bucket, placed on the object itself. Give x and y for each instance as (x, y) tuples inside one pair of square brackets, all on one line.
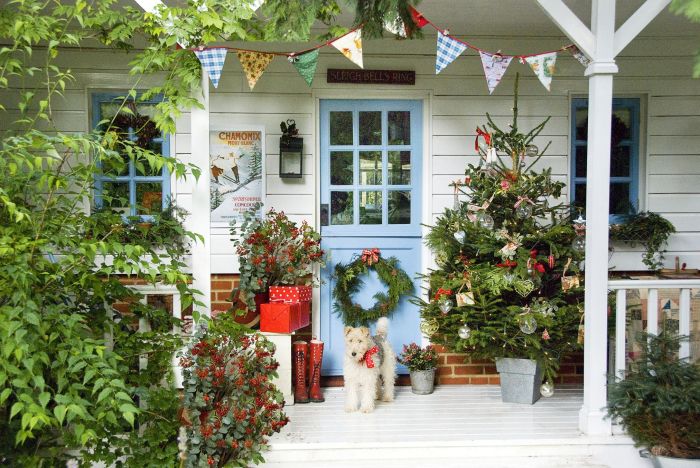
[(520, 380), (423, 381), (669, 462)]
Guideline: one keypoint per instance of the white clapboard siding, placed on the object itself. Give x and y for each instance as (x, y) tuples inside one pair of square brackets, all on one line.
[(658, 70)]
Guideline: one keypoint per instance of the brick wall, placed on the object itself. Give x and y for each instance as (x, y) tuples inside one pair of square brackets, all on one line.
[(459, 369), (221, 287)]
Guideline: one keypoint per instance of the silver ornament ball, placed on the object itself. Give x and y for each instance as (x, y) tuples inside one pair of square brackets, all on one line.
[(464, 332), (486, 221), (579, 244), (532, 150), (547, 389), (523, 211), (528, 324)]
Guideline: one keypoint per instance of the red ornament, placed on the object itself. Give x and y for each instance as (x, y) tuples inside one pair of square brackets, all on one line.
[(533, 253), (550, 260), (545, 335), (539, 267)]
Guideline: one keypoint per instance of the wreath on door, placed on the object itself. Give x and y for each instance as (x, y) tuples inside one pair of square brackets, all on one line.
[(348, 279)]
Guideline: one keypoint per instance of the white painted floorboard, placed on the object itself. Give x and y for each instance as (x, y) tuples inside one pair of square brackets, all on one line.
[(454, 427)]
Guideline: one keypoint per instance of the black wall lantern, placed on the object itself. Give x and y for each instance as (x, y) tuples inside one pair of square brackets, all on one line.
[(291, 151)]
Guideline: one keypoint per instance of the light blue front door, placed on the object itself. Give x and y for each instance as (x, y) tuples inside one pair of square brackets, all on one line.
[(371, 156)]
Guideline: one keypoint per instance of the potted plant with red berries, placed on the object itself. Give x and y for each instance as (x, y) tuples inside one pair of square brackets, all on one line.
[(231, 407), (421, 363), (273, 251)]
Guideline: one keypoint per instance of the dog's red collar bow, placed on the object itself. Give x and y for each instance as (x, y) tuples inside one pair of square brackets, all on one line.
[(367, 357)]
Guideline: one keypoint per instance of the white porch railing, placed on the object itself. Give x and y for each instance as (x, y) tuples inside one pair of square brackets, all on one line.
[(160, 289), (652, 286)]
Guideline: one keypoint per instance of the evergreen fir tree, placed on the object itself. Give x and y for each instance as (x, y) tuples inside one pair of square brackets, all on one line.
[(501, 256)]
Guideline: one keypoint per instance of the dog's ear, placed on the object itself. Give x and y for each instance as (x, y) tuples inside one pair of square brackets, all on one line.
[(347, 330), (365, 331)]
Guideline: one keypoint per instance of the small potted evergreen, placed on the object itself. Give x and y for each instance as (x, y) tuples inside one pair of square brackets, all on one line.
[(421, 363), (658, 404)]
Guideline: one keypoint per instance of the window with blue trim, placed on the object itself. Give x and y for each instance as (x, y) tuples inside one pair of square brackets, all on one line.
[(624, 155), (131, 185)]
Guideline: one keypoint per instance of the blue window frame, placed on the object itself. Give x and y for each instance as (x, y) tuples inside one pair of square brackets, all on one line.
[(135, 189), (624, 155)]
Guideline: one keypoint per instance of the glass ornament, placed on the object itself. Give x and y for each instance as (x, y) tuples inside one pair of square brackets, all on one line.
[(486, 221), (547, 389), (464, 332), (532, 150), (445, 306), (579, 244), (528, 324), (460, 236), (523, 211)]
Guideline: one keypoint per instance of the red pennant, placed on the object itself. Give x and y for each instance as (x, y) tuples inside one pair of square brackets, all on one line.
[(418, 17)]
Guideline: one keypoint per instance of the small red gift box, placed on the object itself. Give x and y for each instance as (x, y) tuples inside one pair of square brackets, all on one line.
[(290, 294), (278, 317)]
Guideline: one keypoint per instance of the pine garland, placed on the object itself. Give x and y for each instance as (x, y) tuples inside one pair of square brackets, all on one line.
[(349, 281)]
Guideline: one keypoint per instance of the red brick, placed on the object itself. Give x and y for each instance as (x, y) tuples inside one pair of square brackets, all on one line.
[(572, 379), (567, 369), (490, 370), (455, 359), (479, 380), (469, 370), (454, 380), (223, 296), (441, 359), (440, 349), (221, 285), (447, 370), (494, 380), (482, 361)]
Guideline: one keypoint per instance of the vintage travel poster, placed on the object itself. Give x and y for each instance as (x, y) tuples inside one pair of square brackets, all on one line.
[(236, 161)]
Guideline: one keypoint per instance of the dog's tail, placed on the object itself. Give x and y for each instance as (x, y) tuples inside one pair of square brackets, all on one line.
[(383, 326)]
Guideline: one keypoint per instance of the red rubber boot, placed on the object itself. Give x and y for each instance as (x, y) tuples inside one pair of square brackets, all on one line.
[(300, 354), (315, 360)]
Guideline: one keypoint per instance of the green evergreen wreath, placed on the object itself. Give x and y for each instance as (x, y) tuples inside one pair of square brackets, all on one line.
[(348, 282)]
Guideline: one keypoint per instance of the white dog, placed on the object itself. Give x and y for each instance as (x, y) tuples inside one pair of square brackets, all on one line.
[(369, 363)]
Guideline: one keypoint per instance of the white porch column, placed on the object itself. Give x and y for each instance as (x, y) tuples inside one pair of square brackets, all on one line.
[(199, 218), (600, 92)]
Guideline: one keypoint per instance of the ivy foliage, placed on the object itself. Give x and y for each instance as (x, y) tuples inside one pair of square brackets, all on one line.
[(648, 229)]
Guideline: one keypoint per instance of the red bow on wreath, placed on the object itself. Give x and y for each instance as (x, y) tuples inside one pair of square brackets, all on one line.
[(367, 357), (486, 136), (370, 256)]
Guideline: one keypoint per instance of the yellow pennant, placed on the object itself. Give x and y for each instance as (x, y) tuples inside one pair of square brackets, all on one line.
[(254, 65), (351, 46)]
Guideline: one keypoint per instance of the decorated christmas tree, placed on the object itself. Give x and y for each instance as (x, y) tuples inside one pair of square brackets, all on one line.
[(507, 279)]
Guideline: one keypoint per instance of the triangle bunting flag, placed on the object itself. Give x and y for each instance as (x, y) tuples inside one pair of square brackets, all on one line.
[(448, 49), (213, 61), (495, 66), (350, 46), (418, 17), (544, 67), (254, 65), (306, 65)]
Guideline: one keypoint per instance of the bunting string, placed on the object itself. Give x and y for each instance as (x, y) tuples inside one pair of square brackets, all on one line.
[(349, 44)]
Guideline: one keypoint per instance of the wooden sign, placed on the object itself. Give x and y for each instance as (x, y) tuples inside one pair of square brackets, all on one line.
[(389, 77)]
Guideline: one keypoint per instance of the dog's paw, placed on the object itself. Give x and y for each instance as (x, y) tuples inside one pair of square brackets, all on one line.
[(350, 409), (367, 409), (388, 398)]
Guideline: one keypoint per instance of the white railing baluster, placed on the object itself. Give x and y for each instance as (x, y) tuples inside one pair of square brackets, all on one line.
[(684, 322), (653, 311), (620, 329)]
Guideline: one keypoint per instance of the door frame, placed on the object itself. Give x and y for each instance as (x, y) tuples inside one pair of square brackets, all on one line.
[(427, 261)]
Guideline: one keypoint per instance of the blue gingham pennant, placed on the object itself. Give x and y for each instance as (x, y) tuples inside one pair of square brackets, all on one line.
[(448, 49), (213, 61)]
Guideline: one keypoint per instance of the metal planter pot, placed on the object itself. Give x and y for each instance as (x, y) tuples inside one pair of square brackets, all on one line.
[(669, 462), (520, 380), (422, 381)]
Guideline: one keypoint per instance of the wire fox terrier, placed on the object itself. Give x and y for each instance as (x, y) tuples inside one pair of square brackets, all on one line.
[(369, 363)]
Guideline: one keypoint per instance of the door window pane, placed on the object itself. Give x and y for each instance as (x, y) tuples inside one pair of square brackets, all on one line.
[(115, 195), (621, 123), (371, 207), (341, 128), (399, 127), (399, 167), (580, 195), (620, 161), (370, 167), (149, 198), (341, 168), (399, 207), (341, 208), (371, 128)]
